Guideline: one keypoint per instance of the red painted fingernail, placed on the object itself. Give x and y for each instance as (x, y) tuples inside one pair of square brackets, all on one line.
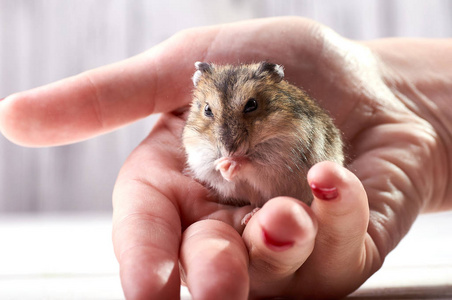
[(276, 244), (324, 193)]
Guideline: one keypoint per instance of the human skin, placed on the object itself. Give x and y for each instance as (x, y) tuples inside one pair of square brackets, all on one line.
[(389, 98)]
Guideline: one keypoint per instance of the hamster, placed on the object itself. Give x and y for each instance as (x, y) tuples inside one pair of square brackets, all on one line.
[(251, 136)]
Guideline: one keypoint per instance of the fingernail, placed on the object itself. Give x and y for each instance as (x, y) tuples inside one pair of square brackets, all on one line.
[(275, 243), (324, 193)]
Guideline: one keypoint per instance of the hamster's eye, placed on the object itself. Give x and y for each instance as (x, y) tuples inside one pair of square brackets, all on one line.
[(207, 111), (251, 105)]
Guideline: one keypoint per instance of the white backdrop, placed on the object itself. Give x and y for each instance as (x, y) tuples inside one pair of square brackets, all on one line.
[(45, 40)]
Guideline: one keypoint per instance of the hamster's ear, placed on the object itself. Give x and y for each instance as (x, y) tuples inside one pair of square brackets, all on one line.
[(201, 68), (275, 71)]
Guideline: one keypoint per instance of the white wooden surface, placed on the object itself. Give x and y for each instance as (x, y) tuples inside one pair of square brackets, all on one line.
[(70, 256), (45, 40)]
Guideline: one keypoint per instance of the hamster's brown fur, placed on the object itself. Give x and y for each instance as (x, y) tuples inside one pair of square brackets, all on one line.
[(263, 133)]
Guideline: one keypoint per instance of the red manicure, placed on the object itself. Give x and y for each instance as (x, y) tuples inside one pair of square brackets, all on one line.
[(275, 244), (324, 193)]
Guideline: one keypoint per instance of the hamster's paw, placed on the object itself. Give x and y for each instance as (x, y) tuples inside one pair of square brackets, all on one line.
[(248, 216), (228, 167)]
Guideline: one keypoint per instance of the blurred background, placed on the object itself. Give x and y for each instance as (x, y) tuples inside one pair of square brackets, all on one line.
[(42, 41)]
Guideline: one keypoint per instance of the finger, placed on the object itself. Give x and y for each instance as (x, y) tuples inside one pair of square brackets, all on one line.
[(279, 237), (99, 100), (146, 219), (146, 237), (105, 98), (215, 262), (340, 204), (342, 253)]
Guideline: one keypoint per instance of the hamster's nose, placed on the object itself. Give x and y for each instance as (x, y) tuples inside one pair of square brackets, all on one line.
[(229, 140)]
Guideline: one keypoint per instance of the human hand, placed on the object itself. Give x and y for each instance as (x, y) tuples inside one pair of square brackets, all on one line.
[(287, 249)]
